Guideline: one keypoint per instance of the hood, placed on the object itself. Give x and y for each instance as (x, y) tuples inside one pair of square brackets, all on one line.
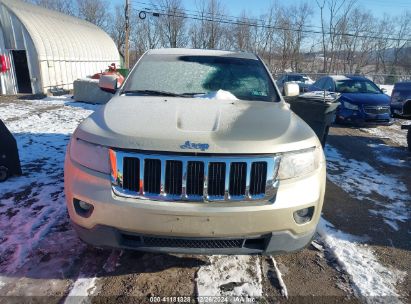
[(196, 125), (366, 98)]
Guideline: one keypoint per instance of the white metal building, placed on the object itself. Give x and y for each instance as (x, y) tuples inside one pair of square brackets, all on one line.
[(45, 50)]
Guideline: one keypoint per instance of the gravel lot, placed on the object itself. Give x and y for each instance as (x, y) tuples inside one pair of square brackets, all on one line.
[(362, 252)]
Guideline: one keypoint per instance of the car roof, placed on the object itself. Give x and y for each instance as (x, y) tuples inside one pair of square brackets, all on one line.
[(199, 52), (296, 74), (346, 77), (403, 83)]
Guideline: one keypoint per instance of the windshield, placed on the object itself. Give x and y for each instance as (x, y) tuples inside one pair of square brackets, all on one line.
[(356, 86), (176, 75)]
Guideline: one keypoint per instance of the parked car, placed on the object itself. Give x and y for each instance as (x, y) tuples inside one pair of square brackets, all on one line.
[(196, 152), (362, 102), (401, 99), (408, 128), (9, 154), (302, 80)]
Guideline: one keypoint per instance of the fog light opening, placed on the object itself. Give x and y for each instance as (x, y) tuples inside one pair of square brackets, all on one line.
[(82, 208), (303, 216)]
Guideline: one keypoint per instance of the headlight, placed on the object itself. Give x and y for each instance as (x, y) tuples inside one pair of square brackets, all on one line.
[(92, 156), (295, 164), (350, 106)]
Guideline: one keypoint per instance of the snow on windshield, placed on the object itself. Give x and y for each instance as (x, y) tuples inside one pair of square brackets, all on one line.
[(246, 79), (218, 95)]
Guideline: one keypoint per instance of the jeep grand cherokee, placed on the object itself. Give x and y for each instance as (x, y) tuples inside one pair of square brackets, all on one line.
[(197, 152)]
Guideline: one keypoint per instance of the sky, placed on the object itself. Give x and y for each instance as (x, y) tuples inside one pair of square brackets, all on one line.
[(258, 7)]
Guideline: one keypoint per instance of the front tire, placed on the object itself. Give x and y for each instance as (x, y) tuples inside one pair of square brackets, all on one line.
[(3, 173)]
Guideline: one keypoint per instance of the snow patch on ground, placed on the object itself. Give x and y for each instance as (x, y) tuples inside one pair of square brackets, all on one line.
[(372, 281), (33, 204), (82, 289), (284, 291), (390, 155), (230, 276), (362, 181), (393, 133)]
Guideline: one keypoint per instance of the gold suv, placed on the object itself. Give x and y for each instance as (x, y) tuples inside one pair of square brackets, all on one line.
[(197, 152)]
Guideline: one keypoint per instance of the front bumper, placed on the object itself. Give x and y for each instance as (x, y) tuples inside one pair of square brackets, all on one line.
[(402, 108), (263, 227), (271, 243), (360, 118)]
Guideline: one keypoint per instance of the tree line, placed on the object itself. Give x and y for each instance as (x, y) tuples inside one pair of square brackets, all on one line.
[(348, 38)]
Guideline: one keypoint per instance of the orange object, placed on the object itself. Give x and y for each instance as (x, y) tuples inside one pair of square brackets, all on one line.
[(112, 70), (113, 163)]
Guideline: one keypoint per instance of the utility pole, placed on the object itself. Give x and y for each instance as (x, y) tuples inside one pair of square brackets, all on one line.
[(126, 45)]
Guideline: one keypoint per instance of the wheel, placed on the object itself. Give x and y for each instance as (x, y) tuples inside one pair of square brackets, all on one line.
[(409, 139), (3, 173), (324, 139)]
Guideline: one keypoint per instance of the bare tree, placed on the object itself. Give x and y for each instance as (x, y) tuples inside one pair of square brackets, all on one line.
[(208, 32), (172, 23), (117, 28), (241, 33), (94, 11), (338, 12), (402, 31), (62, 6), (300, 16), (386, 25)]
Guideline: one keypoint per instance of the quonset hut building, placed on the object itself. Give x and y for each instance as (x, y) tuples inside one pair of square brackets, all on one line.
[(42, 50)]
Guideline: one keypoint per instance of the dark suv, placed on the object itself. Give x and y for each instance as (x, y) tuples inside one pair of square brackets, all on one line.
[(401, 99)]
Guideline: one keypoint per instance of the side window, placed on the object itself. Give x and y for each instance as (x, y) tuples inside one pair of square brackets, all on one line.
[(319, 83), (329, 85)]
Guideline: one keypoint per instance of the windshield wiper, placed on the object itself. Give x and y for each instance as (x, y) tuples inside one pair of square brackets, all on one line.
[(192, 94), (153, 93)]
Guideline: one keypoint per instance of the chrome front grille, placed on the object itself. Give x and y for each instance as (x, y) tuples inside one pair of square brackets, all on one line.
[(193, 178), (375, 110)]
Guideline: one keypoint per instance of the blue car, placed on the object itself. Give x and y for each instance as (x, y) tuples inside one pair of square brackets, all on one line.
[(362, 103)]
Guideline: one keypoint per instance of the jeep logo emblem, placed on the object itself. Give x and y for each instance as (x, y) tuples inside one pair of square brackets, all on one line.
[(194, 146)]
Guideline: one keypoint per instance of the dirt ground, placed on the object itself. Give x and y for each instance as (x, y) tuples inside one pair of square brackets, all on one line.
[(313, 275)]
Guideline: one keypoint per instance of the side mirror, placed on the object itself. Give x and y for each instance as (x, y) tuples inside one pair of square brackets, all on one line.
[(384, 90), (291, 89), (108, 83)]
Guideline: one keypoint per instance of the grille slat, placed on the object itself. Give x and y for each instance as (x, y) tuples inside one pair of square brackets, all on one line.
[(152, 176), (174, 177), (216, 179), (238, 174), (195, 178), (258, 178), (131, 179)]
